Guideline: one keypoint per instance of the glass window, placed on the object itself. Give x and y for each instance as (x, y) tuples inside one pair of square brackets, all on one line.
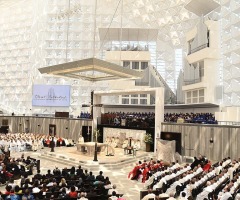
[(134, 95), (135, 65), (201, 71), (143, 95), (126, 64), (195, 100), (195, 93), (201, 92), (144, 65), (125, 101), (134, 101), (143, 101), (201, 99)]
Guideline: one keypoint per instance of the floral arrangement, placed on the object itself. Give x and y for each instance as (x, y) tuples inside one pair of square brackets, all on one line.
[(148, 138)]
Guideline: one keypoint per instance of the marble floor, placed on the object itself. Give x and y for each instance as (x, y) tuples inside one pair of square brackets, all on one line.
[(130, 189)]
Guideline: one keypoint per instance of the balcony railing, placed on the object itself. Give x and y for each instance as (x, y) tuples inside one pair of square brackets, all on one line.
[(198, 48), (192, 81)]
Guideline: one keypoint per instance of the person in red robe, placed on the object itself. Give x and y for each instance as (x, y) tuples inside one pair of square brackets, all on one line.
[(48, 142), (207, 166), (134, 174), (145, 174)]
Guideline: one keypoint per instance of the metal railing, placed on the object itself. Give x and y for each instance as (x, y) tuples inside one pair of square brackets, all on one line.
[(140, 83), (229, 123), (198, 48), (192, 81)]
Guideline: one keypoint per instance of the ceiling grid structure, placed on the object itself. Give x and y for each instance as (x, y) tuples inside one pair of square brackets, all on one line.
[(231, 51), (15, 56), (60, 31)]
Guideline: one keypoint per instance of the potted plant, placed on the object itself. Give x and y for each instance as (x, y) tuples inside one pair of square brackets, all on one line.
[(148, 140)]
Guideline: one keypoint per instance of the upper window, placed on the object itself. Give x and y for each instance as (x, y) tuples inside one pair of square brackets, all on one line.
[(144, 65), (135, 65)]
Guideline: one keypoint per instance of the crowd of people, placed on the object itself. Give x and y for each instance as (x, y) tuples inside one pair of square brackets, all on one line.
[(73, 183), (200, 180), (12, 168), (147, 119), (130, 119), (20, 142), (200, 118), (85, 115)]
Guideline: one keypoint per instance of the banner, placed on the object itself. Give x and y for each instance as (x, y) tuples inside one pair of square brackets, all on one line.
[(51, 95)]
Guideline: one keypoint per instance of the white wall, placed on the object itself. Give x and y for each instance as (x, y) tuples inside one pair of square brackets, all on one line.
[(231, 114)]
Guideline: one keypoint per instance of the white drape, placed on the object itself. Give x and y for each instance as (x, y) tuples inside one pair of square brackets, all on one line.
[(166, 150)]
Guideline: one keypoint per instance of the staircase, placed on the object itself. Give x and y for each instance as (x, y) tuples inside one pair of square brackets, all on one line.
[(94, 166)]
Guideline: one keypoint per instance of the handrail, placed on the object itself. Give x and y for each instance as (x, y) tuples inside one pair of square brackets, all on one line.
[(192, 81), (198, 48), (232, 123)]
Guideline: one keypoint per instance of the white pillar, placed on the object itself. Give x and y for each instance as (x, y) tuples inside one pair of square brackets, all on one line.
[(159, 113), (96, 112)]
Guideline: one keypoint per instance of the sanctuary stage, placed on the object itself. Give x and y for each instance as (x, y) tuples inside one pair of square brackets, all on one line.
[(72, 157)]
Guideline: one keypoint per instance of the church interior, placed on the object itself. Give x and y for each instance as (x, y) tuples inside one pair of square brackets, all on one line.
[(119, 99)]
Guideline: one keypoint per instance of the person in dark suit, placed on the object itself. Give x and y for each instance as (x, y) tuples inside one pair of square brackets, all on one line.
[(52, 144), (100, 177), (56, 172), (79, 170), (38, 175), (91, 177)]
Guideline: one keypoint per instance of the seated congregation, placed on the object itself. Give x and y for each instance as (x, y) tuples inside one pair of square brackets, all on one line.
[(12, 168), (17, 142), (196, 118), (144, 119), (57, 184), (200, 180), (62, 184)]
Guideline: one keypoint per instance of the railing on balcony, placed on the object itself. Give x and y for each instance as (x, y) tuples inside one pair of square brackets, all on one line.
[(198, 48), (192, 81), (229, 123), (141, 83)]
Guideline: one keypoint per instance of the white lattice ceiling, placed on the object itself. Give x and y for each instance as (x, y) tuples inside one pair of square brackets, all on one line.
[(8, 3)]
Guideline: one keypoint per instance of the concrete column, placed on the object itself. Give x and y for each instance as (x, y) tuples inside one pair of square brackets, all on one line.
[(159, 113), (96, 112)]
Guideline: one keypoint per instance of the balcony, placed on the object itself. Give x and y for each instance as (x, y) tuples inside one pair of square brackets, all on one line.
[(198, 48), (192, 81)]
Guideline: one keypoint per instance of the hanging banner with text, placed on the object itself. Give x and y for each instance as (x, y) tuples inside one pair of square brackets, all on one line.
[(51, 95)]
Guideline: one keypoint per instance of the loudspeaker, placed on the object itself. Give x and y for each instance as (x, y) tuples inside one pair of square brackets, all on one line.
[(62, 114)]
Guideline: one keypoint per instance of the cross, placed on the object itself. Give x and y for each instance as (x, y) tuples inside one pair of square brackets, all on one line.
[(91, 106)]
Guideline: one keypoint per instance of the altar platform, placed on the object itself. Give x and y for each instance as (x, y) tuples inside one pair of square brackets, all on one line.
[(70, 156), (88, 148)]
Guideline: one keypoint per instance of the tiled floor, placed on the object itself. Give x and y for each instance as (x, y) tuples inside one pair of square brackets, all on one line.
[(130, 189)]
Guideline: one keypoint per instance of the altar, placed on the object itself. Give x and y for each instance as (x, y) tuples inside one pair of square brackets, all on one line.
[(88, 148)]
